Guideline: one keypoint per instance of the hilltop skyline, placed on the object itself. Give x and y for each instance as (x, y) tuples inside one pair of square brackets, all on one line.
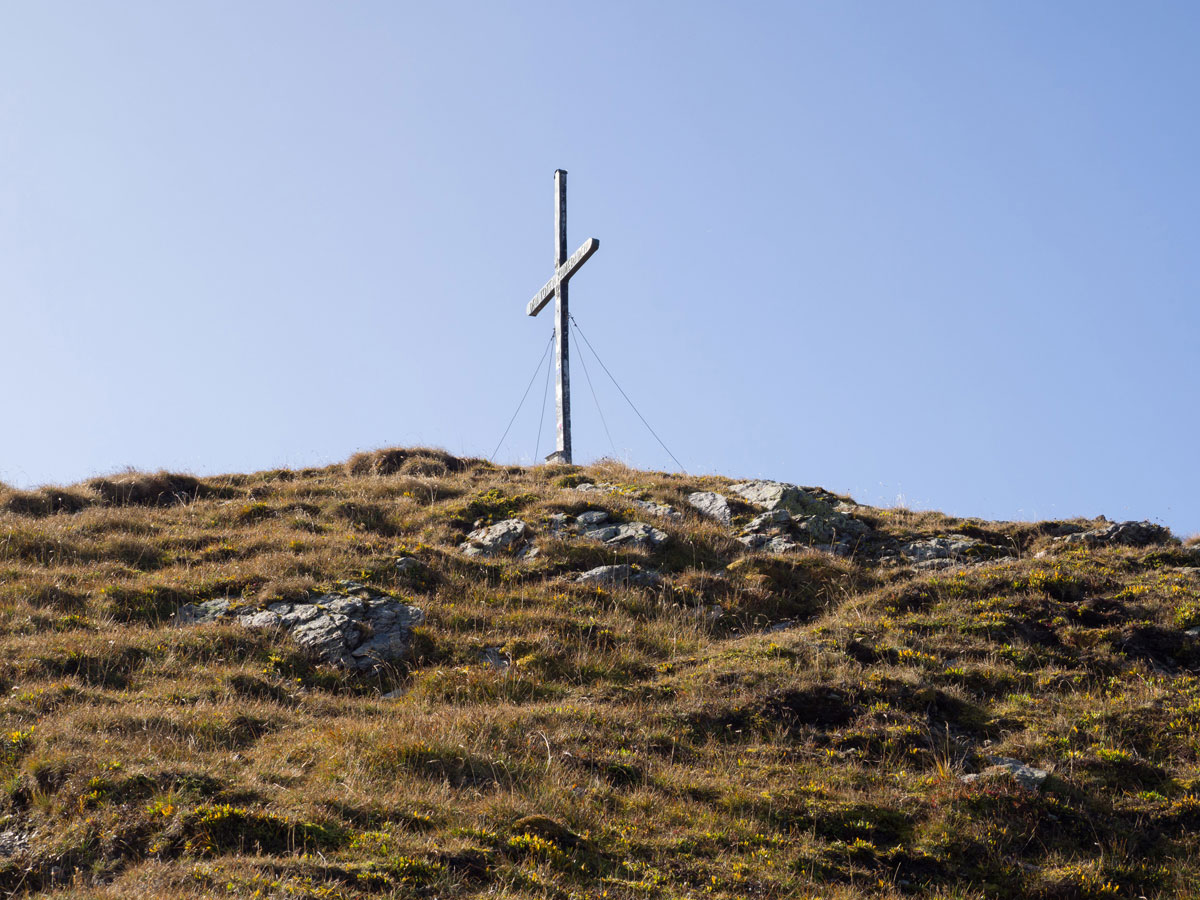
[(940, 256)]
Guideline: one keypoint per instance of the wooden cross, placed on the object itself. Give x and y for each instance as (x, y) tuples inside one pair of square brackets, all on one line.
[(557, 287)]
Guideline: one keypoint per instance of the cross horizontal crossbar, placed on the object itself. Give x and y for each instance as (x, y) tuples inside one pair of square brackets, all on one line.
[(563, 274)]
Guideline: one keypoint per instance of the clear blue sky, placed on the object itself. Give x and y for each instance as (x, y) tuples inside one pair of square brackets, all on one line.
[(940, 252)]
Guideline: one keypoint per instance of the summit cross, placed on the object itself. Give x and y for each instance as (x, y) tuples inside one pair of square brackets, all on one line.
[(556, 287)]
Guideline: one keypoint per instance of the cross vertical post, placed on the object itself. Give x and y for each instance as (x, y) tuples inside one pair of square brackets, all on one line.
[(556, 287), (562, 352)]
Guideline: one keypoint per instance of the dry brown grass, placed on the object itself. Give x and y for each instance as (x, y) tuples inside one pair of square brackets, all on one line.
[(643, 743), (420, 461)]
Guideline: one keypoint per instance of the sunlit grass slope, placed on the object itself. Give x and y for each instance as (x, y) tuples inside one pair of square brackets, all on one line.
[(751, 726)]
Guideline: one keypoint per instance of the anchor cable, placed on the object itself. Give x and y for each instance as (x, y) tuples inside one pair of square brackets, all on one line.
[(586, 375), (523, 396), (626, 396), (537, 449)]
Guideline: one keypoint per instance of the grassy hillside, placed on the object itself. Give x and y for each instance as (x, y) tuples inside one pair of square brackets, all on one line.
[(752, 725)]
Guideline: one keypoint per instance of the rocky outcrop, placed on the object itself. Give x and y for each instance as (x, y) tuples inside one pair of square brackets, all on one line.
[(1128, 534), (618, 575), (797, 517), (768, 543), (779, 531), (12, 843), (627, 534), (1026, 776), (770, 532), (595, 525), (713, 505), (409, 567), (353, 630), (780, 495), (496, 657), (506, 536), (954, 547), (202, 613), (627, 496)]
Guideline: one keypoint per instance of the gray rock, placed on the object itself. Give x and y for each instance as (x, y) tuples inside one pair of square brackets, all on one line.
[(774, 518), (354, 632), (202, 613), (768, 543), (713, 505), (953, 547), (502, 537), (779, 495), (1128, 534), (630, 534), (1027, 776), (777, 544), (770, 532), (495, 657), (816, 529), (292, 615), (848, 526), (556, 524), (592, 518), (12, 843), (618, 575), (408, 566), (330, 637), (261, 619)]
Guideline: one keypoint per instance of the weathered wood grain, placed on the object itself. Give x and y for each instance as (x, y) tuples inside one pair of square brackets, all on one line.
[(578, 258), (556, 287)]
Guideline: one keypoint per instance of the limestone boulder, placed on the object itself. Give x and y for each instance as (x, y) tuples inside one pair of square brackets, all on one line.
[(956, 546), (711, 504), (771, 520), (12, 843), (780, 495), (769, 543), (592, 518), (816, 529), (657, 509), (629, 534), (503, 537), (618, 575), (1026, 776), (358, 630), (1127, 534), (409, 567), (202, 613), (779, 531), (495, 657)]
